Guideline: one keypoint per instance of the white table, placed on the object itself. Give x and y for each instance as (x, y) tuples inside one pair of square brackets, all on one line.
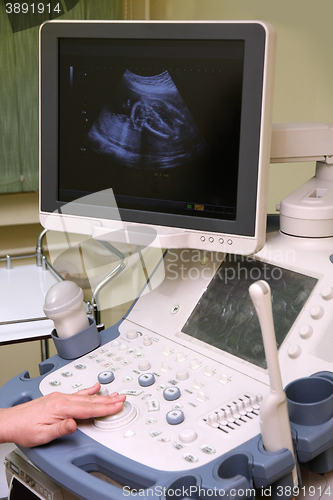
[(22, 292)]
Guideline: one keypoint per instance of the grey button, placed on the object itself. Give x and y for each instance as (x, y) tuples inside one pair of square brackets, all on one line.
[(175, 417), (105, 377), (146, 379), (171, 393)]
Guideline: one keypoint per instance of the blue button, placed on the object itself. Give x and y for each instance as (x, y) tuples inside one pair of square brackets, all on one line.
[(175, 417), (106, 377), (171, 393), (146, 379)]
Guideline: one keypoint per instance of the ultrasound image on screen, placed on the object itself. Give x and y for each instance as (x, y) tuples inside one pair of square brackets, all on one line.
[(226, 318), (147, 124), (159, 122)]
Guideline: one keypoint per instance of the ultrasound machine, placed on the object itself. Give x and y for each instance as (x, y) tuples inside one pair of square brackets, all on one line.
[(156, 137)]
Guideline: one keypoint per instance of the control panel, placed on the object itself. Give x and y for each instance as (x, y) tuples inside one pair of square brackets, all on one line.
[(188, 401), (182, 408), (189, 356)]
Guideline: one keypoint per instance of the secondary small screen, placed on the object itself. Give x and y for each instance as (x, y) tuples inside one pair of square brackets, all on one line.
[(158, 121), (225, 316)]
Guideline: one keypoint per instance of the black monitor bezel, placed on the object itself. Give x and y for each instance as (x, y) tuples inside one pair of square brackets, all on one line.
[(254, 36)]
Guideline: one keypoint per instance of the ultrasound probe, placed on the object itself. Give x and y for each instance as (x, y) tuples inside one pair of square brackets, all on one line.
[(274, 417)]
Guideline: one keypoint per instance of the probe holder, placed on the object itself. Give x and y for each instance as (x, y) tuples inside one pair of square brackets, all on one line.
[(79, 344), (310, 403)]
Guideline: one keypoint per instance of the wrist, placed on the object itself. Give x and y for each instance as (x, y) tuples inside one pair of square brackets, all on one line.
[(3, 426)]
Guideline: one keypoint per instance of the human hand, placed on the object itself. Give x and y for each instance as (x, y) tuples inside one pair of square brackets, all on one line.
[(49, 417)]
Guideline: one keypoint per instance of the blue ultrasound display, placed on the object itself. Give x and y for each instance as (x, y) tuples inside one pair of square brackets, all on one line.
[(156, 121), (225, 316), (153, 122)]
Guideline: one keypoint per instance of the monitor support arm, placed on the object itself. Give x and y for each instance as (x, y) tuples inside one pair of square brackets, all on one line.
[(308, 211)]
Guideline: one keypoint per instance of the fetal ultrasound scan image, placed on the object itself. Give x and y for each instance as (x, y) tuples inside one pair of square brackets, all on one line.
[(146, 124)]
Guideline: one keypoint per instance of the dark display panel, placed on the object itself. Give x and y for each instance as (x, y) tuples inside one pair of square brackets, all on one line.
[(225, 316), (158, 121)]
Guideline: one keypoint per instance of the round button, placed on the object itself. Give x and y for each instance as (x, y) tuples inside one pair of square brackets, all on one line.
[(175, 417), (129, 434), (189, 457), (188, 436), (103, 391), (55, 383), (132, 334), (294, 351), (144, 364), (182, 375), (327, 293), (171, 393), (147, 340), (105, 377), (306, 331), (126, 415), (317, 312), (80, 366), (205, 448), (146, 379)]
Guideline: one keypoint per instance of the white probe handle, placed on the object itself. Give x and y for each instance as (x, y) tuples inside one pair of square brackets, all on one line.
[(260, 293), (274, 417)]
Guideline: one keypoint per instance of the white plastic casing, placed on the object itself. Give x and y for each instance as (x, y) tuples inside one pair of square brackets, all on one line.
[(173, 237)]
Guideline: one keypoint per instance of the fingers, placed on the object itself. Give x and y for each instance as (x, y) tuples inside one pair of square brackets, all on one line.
[(90, 409), (84, 396), (90, 390), (83, 406)]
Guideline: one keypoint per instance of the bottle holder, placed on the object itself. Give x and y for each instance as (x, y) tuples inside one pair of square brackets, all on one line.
[(186, 487), (310, 400), (310, 405)]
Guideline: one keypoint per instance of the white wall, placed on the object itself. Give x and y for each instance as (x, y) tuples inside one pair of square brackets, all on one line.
[(304, 69)]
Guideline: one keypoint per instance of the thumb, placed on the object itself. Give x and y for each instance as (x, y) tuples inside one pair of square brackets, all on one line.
[(65, 427)]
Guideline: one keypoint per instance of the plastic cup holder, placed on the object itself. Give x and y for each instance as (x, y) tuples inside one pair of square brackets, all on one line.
[(310, 400), (235, 465), (79, 344), (181, 488)]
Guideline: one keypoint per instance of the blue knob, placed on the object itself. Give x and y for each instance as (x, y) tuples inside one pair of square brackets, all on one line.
[(105, 377), (171, 393), (146, 379), (175, 417)]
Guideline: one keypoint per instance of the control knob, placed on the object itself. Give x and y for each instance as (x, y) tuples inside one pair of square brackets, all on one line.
[(123, 417), (188, 436), (132, 334), (144, 365)]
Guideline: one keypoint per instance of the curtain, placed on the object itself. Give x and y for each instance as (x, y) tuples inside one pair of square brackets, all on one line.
[(19, 67)]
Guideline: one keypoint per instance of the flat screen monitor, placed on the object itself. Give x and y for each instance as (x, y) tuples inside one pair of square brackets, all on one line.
[(159, 125)]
